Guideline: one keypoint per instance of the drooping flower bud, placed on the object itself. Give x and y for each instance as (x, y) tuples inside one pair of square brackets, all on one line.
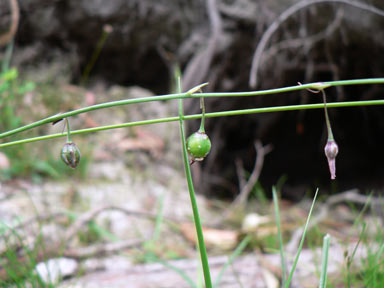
[(331, 149), (198, 145), (70, 154)]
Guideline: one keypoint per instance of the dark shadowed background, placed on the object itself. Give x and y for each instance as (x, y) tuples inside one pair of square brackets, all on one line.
[(216, 44)]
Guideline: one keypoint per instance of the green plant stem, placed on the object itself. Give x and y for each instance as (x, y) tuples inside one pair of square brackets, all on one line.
[(350, 258), (281, 244), (196, 217), (324, 261), (202, 123), (329, 128), (195, 116), (189, 95), (94, 57), (8, 56), (301, 242), (91, 108), (159, 218), (69, 139)]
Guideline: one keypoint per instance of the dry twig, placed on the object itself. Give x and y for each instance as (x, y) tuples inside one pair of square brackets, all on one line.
[(261, 151), (15, 17), (287, 14), (103, 249), (198, 67), (241, 199)]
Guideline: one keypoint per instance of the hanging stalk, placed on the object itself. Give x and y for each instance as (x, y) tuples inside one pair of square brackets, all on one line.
[(69, 139), (331, 149), (70, 153), (202, 123), (328, 123)]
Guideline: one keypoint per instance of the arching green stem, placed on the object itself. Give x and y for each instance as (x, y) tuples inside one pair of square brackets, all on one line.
[(189, 95), (198, 116)]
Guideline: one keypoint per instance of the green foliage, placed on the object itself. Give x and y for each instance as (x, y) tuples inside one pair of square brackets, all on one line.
[(20, 270), (370, 272), (25, 160)]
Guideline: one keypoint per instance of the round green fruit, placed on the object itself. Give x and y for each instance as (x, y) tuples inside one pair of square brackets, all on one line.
[(70, 154), (198, 146)]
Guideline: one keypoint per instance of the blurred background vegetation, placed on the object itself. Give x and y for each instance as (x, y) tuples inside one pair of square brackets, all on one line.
[(61, 55), (98, 44)]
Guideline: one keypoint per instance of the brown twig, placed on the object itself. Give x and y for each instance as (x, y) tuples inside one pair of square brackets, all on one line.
[(261, 151), (15, 17), (198, 67), (104, 249), (256, 60), (246, 188), (240, 173), (307, 42)]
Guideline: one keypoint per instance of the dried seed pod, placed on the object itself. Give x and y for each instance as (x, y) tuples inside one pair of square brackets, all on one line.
[(70, 154), (198, 145), (331, 149)]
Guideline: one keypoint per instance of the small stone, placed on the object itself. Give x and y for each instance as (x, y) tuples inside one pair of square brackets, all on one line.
[(53, 270)]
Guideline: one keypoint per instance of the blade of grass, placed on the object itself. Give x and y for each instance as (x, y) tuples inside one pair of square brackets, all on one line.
[(107, 29), (8, 56), (196, 217), (350, 258), (159, 218), (239, 249), (179, 271), (281, 244), (301, 242), (324, 261), (376, 265)]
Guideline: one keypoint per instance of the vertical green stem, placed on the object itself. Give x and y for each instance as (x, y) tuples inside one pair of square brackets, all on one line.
[(281, 246), (329, 128), (196, 217), (8, 56), (288, 282), (324, 262), (69, 139), (202, 123), (95, 55)]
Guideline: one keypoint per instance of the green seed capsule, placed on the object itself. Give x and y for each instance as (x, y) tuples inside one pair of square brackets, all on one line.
[(198, 146), (70, 154)]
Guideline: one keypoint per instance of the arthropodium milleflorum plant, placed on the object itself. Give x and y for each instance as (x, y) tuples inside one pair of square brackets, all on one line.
[(181, 118)]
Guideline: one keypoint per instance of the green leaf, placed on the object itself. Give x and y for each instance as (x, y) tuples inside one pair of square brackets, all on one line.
[(27, 87), (10, 74), (47, 168)]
